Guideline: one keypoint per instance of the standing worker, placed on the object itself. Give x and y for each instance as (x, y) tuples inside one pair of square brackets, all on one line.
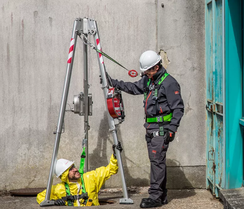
[(164, 109)]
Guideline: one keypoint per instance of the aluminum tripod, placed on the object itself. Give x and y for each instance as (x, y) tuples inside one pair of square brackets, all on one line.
[(83, 27)]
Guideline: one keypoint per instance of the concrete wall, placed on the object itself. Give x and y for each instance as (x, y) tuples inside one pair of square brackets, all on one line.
[(181, 37), (34, 44)]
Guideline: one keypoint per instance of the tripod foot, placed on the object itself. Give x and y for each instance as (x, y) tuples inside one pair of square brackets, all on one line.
[(126, 201), (47, 203)]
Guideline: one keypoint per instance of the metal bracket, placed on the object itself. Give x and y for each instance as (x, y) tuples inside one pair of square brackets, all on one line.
[(159, 119), (219, 108), (209, 106), (216, 108), (87, 26), (211, 155)]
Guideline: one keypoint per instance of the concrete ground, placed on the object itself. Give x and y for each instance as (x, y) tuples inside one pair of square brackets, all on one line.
[(178, 199), (232, 198)]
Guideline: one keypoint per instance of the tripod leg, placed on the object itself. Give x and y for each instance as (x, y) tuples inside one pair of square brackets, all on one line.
[(47, 201), (125, 200)]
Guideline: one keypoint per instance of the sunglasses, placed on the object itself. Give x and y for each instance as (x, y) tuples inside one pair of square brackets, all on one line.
[(72, 167), (149, 70)]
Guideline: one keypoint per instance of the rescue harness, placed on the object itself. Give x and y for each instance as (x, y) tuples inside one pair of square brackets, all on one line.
[(154, 89), (71, 198)]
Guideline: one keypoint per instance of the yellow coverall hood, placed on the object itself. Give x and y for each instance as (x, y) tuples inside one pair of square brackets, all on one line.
[(93, 181)]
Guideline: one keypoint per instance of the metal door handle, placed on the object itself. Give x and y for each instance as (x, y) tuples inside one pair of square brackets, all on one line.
[(210, 109)]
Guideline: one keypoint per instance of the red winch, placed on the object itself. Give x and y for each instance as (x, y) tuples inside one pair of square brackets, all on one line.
[(115, 104)]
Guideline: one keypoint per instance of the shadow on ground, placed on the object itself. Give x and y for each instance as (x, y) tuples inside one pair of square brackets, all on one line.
[(177, 180), (176, 176)]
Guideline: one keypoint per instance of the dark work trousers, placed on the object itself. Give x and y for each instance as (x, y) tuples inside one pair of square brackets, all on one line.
[(157, 154)]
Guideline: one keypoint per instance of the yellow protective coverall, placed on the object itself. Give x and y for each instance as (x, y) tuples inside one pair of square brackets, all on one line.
[(93, 181)]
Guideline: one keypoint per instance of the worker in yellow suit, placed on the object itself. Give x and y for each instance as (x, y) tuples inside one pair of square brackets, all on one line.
[(77, 189)]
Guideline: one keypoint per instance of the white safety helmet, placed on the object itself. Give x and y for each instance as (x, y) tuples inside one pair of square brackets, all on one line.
[(149, 59), (61, 166)]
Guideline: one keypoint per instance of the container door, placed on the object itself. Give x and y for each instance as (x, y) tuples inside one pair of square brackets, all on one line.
[(234, 94), (214, 94)]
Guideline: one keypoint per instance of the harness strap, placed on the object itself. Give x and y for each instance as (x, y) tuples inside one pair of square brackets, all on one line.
[(156, 89), (161, 79), (81, 170), (70, 198), (75, 197), (159, 119), (87, 200), (70, 203)]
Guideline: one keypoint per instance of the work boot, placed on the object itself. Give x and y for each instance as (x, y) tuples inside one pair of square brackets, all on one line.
[(150, 203), (164, 199), (144, 199)]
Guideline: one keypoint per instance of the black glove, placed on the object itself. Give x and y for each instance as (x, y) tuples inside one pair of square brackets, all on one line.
[(59, 202), (170, 135), (118, 147)]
